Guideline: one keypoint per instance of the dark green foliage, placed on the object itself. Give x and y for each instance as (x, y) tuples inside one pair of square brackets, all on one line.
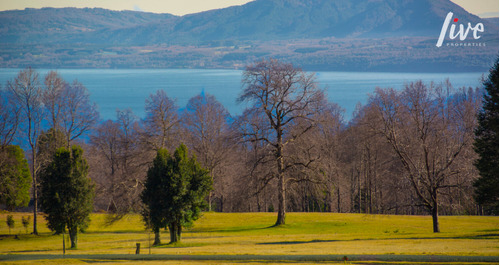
[(15, 177), (174, 192), (486, 146), (67, 194), (10, 222)]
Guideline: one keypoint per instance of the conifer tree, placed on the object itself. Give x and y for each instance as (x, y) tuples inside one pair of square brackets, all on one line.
[(67, 194), (486, 146), (174, 192)]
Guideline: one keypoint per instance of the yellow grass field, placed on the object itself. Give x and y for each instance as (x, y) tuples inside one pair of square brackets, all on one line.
[(248, 238)]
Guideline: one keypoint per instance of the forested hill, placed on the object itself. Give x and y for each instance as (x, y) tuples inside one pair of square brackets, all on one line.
[(317, 34), (299, 19), (257, 20), (55, 25)]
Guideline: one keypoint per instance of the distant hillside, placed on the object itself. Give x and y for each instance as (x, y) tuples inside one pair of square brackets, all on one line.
[(299, 19), (257, 20), (493, 20), (55, 25), (357, 35)]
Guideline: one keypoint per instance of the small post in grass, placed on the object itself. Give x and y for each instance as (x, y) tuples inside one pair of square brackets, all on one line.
[(137, 248)]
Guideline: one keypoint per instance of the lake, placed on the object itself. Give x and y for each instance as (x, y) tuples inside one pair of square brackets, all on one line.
[(114, 89)]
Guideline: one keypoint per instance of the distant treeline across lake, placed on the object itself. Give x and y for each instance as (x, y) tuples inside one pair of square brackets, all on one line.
[(114, 89)]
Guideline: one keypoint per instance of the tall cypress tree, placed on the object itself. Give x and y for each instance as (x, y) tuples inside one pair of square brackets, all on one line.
[(153, 196), (486, 146), (67, 194)]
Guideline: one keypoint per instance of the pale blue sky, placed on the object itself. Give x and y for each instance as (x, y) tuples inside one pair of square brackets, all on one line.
[(182, 7)]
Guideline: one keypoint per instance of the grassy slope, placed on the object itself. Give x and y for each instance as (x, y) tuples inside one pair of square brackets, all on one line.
[(311, 236)]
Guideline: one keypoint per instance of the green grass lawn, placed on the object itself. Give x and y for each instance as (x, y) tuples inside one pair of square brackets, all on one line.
[(247, 238)]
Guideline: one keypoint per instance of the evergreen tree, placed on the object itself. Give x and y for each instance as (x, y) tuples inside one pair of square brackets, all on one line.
[(152, 194), (67, 194), (15, 177), (486, 146), (174, 192)]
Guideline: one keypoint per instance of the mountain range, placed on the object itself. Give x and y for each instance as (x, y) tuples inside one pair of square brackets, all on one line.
[(238, 33)]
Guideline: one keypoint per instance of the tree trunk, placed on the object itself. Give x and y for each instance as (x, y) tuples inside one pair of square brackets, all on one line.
[(281, 181), (174, 233), (281, 201), (35, 196), (222, 203), (258, 202), (157, 237), (338, 200), (73, 236), (64, 245), (359, 191), (210, 201), (179, 231), (435, 210)]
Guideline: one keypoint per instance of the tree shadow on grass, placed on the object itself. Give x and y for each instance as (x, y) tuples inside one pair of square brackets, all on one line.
[(229, 230), (181, 245), (29, 250), (299, 242), (473, 237)]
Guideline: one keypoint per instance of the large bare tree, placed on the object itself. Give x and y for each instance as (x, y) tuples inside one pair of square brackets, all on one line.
[(53, 98), (69, 106), (161, 122), (118, 164), (27, 92), (285, 95), (105, 144), (429, 128), (208, 135), (79, 114), (327, 144)]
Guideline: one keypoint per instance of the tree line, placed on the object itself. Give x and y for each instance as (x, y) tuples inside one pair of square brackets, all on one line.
[(410, 150)]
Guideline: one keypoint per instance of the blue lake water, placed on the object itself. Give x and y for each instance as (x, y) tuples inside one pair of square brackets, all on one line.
[(120, 89)]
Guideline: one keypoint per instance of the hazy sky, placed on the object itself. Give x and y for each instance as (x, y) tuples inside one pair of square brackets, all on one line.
[(486, 8)]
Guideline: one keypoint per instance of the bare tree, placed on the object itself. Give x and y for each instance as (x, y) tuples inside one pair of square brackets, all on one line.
[(208, 135), (326, 140), (285, 95), (69, 107), (27, 92), (429, 128), (134, 159), (161, 121), (105, 142), (371, 164), (10, 117), (259, 167), (79, 114), (117, 164), (53, 98)]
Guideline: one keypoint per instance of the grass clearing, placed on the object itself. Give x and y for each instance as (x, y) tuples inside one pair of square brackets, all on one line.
[(249, 238)]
